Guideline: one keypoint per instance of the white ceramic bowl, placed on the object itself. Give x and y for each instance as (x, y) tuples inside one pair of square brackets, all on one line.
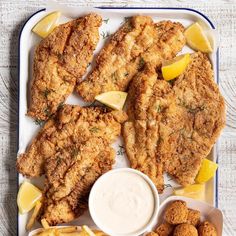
[(208, 212), (95, 190)]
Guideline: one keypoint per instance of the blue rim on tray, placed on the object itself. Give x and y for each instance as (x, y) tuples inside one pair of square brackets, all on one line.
[(121, 8)]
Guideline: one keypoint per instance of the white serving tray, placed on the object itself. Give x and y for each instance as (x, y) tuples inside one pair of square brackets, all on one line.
[(27, 128)]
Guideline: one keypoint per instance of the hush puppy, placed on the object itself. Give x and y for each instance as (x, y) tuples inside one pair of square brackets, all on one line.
[(207, 229), (185, 230), (176, 213), (193, 217), (164, 229), (152, 234)]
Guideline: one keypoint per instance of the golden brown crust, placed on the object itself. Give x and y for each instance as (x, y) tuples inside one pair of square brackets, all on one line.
[(141, 134), (176, 213), (60, 60), (73, 150), (164, 229), (185, 230), (72, 124), (152, 234), (70, 176), (139, 41), (188, 117), (207, 229), (192, 120), (193, 217)]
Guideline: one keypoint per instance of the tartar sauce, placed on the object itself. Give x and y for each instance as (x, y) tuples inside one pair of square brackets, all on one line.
[(122, 203)]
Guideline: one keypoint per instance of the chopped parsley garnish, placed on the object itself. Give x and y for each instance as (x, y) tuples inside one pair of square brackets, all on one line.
[(94, 129), (105, 34), (141, 64), (46, 92), (47, 112), (106, 20), (39, 122)]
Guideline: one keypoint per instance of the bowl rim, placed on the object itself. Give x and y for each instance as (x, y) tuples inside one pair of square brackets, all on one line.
[(155, 195)]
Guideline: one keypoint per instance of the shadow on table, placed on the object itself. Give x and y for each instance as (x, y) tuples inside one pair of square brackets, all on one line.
[(10, 207)]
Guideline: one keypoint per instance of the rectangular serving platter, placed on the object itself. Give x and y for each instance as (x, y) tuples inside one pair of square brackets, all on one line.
[(113, 18)]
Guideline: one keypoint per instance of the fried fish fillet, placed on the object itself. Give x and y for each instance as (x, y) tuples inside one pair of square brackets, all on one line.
[(72, 124), (188, 116), (141, 131), (138, 41), (70, 176), (60, 60)]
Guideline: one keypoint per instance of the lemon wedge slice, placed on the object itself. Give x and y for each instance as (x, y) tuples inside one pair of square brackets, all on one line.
[(87, 231), (46, 25), (113, 99), (173, 68), (197, 39), (195, 191), (207, 171), (27, 197)]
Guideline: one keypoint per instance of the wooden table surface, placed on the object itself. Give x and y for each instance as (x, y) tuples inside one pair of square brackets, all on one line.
[(13, 15)]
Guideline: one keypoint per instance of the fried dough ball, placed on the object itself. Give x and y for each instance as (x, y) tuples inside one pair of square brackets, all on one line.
[(193, 217), (207, 229), (185, 230), (152, 234), (176, 213), (164, 229)]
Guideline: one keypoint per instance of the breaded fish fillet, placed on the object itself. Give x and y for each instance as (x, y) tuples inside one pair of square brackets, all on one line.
[(189, 116), (138, 41), (70, 126), (141, 131), (70, 176), (60, 60)]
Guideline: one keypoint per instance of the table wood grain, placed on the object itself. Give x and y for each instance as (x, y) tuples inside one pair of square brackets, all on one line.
[(13, 15)]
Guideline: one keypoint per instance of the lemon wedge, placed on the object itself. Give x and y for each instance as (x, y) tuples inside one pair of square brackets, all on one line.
[(113, 99), (207, 171), (173, 68), (27, 197), (195, 191), (197, 39), (46, 25), (87, 231)]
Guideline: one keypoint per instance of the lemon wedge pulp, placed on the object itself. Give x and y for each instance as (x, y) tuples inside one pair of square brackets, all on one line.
[(27, 197), (113, 99), (207, 171), (195, 191), (197, 39), (46, 25), (173, 68)]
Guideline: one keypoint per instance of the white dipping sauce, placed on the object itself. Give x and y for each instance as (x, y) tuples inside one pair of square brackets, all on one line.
[(122, 202)]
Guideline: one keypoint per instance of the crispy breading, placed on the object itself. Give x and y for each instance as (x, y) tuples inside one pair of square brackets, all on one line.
[(185, 230), (137, 42), (152, 234), (141, 134), (206, 228), (71, 125), (193, 217), (176, 213), (188, 113), (70, 176), (73, 150), (164, 229), (192, 121), (60, 60)]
